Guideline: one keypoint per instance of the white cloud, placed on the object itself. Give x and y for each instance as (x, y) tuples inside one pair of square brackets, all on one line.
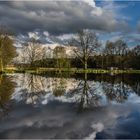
[(46, 33), (33, 35), (90, 2)]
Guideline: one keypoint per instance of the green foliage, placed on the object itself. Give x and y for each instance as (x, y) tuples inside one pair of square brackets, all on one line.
[(6, 90), (7, 50)]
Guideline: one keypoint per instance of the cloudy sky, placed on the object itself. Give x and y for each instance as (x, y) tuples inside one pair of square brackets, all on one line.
[(52, 21)]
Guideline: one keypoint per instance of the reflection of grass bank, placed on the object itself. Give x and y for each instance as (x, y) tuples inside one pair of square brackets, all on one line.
[(70, 70)]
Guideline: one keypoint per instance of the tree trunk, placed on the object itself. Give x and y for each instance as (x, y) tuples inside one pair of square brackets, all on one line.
[(102, 61), (85, 92), (1, 65), (85, 62), (0, 79), (85, 66), (1, 61)]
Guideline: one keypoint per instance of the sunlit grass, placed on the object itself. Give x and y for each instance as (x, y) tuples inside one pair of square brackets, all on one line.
[(71, 70)]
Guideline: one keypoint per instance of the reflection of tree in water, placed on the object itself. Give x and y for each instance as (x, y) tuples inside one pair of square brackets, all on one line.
[(7, 87), (134, 82), (117, 89), (59, 84), (116, 92), (113, 89), (87, 91), (136, 87), (33, 88)]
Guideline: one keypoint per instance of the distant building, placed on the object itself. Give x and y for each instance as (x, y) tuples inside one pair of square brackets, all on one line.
[(59, 52)]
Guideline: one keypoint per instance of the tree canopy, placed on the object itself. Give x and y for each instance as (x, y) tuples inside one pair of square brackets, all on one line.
[(7, 50)]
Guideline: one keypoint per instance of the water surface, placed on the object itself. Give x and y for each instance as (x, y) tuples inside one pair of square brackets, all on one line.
[(81, 106)]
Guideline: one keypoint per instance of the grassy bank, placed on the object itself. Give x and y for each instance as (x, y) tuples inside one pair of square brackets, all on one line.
[(70, 70)]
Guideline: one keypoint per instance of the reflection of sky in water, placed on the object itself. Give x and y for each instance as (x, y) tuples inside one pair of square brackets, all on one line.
[(47, 86), (58, 116), (44, 87)]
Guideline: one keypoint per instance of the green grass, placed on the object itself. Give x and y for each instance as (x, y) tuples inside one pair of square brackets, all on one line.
[(71, 70)]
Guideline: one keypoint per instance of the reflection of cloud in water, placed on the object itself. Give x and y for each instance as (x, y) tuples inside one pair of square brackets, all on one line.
[(126, 127), (29, 91), (57, 116), (60, 120), (41, 90), (97, 128)]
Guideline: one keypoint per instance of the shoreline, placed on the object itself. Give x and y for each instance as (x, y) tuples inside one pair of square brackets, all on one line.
[(70, 70)]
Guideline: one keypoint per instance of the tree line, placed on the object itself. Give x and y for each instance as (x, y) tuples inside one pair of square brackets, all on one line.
[(87, 53)]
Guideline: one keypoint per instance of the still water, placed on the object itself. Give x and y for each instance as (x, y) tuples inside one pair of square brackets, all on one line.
[(79, 107)]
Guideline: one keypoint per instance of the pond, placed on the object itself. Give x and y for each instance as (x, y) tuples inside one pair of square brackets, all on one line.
[(69, 107)]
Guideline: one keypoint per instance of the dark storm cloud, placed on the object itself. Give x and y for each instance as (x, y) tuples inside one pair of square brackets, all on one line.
[(57, 17)]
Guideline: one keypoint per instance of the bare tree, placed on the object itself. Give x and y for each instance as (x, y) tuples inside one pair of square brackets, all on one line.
[(32, 51), (120, 47), (86, 44), (109, 48), (116, 52)]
